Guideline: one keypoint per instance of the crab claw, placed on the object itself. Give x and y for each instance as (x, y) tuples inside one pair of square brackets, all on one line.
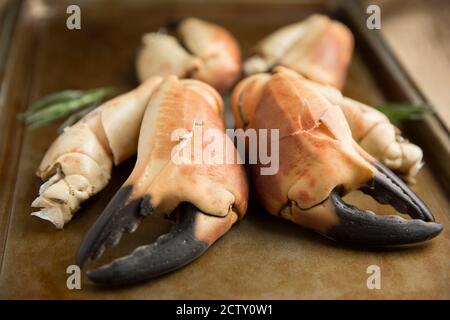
[(319, 162), (191, 48), (204, 198), (363, 227), (387, 188), (190, 236), (343, 222), (318, 47)]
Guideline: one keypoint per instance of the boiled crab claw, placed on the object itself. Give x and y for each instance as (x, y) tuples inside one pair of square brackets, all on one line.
[(319, 163), (79, 162), (191, 48), (318, 48), (205, 198)]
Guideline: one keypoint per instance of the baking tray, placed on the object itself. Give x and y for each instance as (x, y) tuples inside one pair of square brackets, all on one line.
[(262, 256)]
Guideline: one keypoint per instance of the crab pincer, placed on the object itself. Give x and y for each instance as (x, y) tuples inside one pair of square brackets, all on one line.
[(183, 120), (319, 163), (191, 48), (79, 162)]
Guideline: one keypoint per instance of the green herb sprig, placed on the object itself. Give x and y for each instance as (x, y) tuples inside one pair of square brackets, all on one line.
[(403, 111), (72, 103)]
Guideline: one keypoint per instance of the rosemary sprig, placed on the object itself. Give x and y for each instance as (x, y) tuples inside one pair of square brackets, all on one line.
[(61, 96), (403, 111), (62, 104)]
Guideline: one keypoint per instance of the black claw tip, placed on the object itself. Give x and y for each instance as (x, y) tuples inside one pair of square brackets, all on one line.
[(118, 217), (170, 252), (363, 227), (389, 188)]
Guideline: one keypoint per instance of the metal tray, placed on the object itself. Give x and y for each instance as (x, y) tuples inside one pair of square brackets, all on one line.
[(261, 257)]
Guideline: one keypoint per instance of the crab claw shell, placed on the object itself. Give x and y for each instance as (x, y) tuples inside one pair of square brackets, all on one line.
[(161, 185), (319, 161), (162, 54), (79, 162), (342, 222), (198, 49), (218, 50), (380, 138), (376, 134), (188, 239), (318, 48)]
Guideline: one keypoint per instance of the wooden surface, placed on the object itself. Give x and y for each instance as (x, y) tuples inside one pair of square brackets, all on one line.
[(261, 257)]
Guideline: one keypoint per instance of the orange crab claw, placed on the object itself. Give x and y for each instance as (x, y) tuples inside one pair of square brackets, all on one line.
[(318, 48), (203, 198), (319, 162)]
